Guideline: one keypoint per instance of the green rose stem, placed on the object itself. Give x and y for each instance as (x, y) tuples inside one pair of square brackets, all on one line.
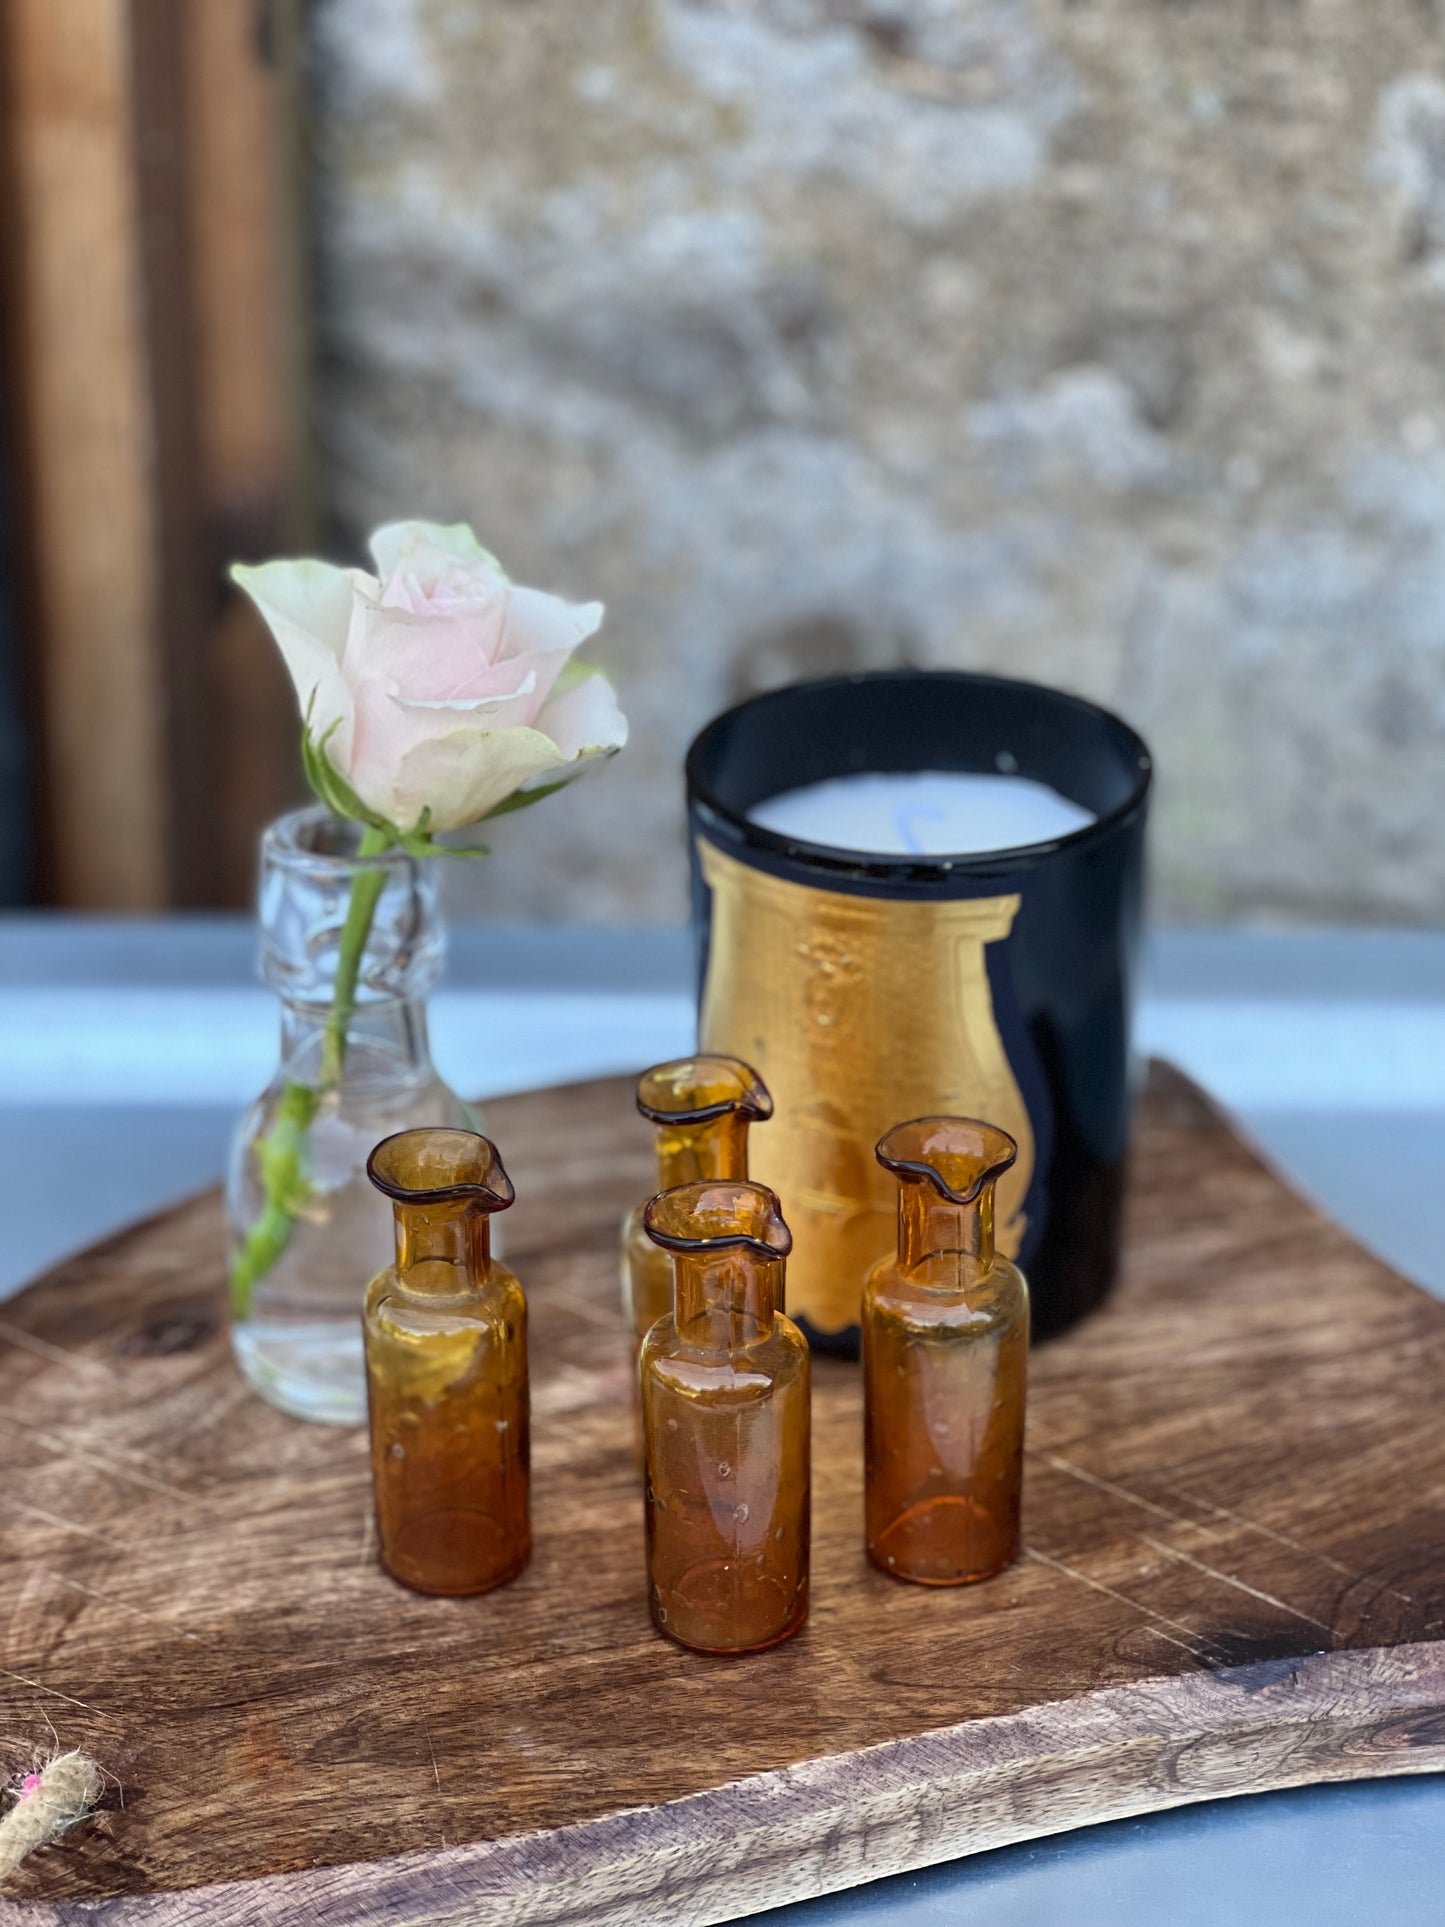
[(281, 1155)]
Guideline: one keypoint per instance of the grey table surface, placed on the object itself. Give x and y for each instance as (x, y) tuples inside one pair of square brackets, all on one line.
[(128, 1047)]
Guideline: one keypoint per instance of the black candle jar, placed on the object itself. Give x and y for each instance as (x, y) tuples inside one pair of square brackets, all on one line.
[(869, 989)]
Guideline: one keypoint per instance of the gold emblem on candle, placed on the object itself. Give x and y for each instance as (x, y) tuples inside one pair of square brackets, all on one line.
[(858, 1012)]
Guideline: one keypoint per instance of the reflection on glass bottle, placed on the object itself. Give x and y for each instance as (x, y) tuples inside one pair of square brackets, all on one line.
[(702, 1107), (446, 1371), (724, 1382), (945, 1356)]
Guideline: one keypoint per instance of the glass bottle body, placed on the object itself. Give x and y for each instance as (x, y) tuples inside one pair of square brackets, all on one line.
[(446, 1365), (295, 1327), (701, 1108), (945, 1361), (724, 1386), (646, 1277)]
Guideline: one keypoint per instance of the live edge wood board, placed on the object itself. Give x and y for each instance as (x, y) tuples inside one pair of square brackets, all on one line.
[(1235, 1580)]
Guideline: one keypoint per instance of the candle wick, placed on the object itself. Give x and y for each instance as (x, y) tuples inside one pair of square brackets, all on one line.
[(903, 821)]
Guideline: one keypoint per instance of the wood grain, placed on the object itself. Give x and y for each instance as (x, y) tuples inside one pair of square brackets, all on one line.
[(152, 338), (81, 382), (1235, 1580), (243, 190)]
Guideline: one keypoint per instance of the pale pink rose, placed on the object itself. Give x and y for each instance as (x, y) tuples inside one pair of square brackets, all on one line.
[(437, 685)]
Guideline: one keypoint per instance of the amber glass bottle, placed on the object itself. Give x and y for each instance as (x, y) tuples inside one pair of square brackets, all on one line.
[(724, 1381), (945, 1357), (702, 1107), (446, 1371)]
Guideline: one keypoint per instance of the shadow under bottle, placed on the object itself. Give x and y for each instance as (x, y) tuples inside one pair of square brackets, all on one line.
[(945, 1361), (725, 1417), (446, 1369)]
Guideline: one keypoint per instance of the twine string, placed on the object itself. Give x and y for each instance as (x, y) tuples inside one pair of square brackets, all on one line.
[(48, 1804)]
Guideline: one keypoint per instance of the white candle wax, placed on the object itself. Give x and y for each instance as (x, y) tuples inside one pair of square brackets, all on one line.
[(930, 812)]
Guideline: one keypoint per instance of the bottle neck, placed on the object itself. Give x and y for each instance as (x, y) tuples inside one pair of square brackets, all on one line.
[(933, 1229), (701, 1153), (443, 1250), (725, 1300), (390, 1034)]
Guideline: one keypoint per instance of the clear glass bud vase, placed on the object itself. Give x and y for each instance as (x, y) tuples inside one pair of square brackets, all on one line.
[(306, 1230)]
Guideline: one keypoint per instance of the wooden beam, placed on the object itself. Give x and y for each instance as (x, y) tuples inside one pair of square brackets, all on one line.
[(191, 724), (246, 254), (18, 705), (155, 356), (85, 452)]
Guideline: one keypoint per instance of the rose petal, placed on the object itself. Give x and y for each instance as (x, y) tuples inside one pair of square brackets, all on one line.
[(388, 728), (537, 621), (480, 705), (461, 776), (439, 689), (584, 718), (307, 608), (431, 657), (427, 549)]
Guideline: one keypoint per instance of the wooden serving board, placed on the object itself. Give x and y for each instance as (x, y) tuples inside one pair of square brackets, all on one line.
[(1235, 1580)]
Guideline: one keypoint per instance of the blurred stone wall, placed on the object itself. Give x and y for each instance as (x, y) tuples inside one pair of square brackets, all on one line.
[(1100, 341)]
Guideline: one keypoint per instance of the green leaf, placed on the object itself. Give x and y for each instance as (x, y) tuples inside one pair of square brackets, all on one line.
[(418, 845), (330, 786), (524, 799), (419, 841), (282, 1164)]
